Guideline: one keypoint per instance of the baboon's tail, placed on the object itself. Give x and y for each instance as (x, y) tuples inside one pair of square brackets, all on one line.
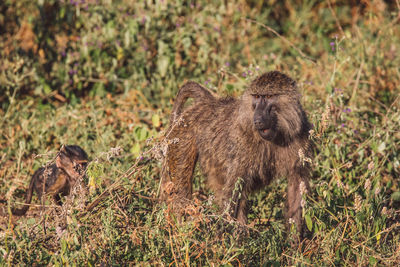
[(190, 90), (24, 209)]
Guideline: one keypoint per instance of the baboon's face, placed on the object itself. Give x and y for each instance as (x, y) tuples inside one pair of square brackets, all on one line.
[(275, 108), (265, 115), (72, 159)]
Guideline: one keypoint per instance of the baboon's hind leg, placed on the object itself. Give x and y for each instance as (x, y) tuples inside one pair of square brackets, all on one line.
[(178, 168)]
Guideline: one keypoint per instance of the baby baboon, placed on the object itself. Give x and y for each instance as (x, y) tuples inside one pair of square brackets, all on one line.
[(244, 142), (58, 178)]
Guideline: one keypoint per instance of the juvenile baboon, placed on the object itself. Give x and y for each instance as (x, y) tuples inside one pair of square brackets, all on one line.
[(256, 138), (58, 178)]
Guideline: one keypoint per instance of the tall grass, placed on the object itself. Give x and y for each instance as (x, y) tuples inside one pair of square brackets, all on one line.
[(102, 74)]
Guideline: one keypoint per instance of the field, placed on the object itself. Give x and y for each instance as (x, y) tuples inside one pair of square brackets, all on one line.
[(103, 74)]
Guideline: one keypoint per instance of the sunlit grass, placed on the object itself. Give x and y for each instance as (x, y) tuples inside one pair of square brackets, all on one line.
[(105, 80)]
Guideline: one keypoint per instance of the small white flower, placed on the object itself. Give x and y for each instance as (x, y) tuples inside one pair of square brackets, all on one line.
[(377, 190), (303, 203), (357, 202), (371, 165), (303, 188), (367, 185)]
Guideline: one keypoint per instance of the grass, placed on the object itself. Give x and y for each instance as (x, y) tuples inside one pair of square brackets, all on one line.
[(104, 75)]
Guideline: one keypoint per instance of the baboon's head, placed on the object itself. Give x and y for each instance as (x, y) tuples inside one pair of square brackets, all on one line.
[(277, 113), (72, 159)]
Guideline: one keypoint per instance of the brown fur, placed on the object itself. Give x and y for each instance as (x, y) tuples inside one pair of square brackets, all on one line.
[(58, 178), (219, 133)]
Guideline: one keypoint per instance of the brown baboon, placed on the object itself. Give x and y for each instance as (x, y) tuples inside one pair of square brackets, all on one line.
[(260, 136), (58, 178)]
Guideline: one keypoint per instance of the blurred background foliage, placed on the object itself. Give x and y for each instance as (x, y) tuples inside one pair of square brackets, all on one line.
[(78, 48), (103, 74)]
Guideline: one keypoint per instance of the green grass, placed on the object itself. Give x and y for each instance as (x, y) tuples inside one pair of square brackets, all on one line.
[(104, 77)]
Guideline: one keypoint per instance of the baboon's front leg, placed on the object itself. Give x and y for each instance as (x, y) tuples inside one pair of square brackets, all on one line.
[(242, 209), (297, 186), (233, 199)]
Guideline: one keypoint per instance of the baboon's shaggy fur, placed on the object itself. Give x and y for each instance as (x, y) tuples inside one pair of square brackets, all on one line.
[(221, 134), (58, 178)]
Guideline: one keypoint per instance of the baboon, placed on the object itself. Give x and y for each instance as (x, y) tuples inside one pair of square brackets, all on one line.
[(255, 138), (58, 178)]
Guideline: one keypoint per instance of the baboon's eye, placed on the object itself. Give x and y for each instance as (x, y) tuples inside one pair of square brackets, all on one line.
[(257, 96), (268, 96)]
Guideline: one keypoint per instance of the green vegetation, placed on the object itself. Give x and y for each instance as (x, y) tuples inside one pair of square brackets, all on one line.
[(103, 74)]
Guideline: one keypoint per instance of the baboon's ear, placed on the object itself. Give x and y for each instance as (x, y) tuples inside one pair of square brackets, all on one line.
[(58, 162), (62, 149)]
